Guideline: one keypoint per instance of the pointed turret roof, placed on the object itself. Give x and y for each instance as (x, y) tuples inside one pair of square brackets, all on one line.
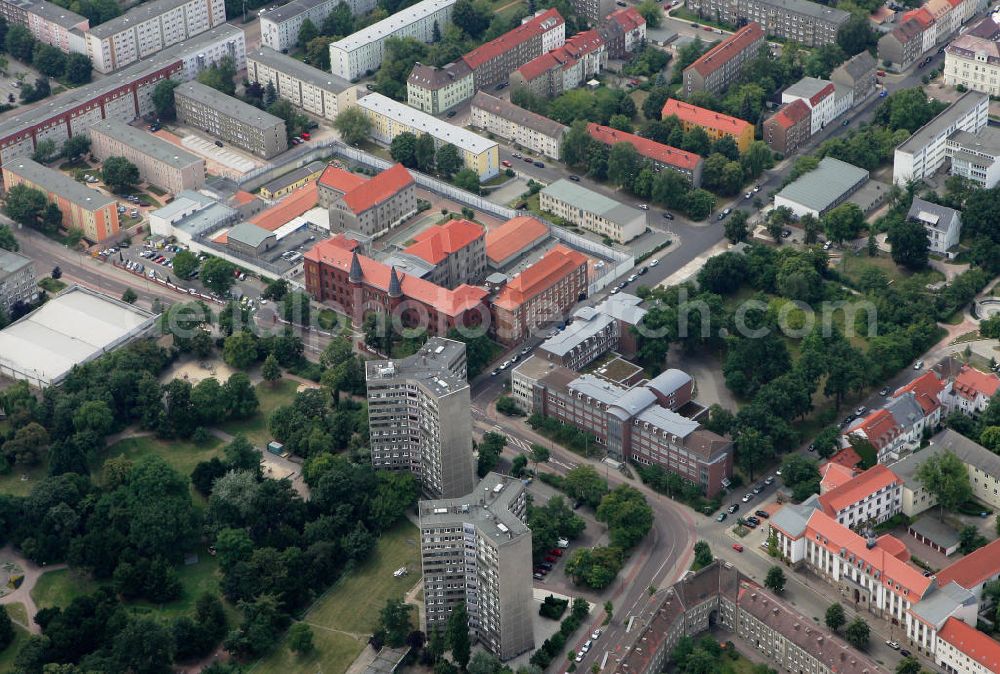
[(355, 275), (395, 287)]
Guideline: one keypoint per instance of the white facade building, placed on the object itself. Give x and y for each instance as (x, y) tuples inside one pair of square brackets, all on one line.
[(279, 28), (976, 156), (363, 51), (925, 151), (148, 28), (311, 89), (819, 95), (943, 225)]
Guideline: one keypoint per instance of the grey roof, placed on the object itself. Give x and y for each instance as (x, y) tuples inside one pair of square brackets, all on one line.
[(301, 71), (599, 389), (857, 65), (635, 401), (594, 202), (291, 10), (458, 136), (807, 87), (409, 264), (147, 143), (987, 140), (810, 9), (971, 453), (388, 26), (518, 115), (535, 367), (488, 506), (942, 603), (824, 185), (11, 262), (54, 13), (227, 105), (58, 183), (905, 409), (249, 233), (931, 213), (439, 365), (671, 422), (134, 16), (431, 77), (294, 176), (88, 93), (792, 518), (204, 220), (987, 28), (932, 129), (182, 202), (576, 333), (669, 381), (624, 307), (936, 530)]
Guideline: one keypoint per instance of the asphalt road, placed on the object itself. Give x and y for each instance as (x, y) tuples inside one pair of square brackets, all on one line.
[(655, 562)]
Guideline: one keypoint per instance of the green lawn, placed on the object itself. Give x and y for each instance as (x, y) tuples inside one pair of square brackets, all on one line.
[(16, 612), (343, 608), (182, 455), (852, 266), (333, 654), (59, 588), (271, 397), (51, 285), (11, 482)]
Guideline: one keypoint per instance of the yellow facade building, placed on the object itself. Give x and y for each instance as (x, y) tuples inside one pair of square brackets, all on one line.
[(715, 124)]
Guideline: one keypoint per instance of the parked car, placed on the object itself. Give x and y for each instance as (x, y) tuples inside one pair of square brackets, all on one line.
[(747, 498), (451, 113), (893, 645), (722, 517), (885, 391), (769, 479), (883, 93), (644, 207), (556, 552), (506, 163), (655, 262), (516, 155), (738, 547), (733, 508), (905, 653), (861, 411), (551, 559), (575, 179), (668, 216), (918, 365), (761, 513), (538, 576), (539, 164)]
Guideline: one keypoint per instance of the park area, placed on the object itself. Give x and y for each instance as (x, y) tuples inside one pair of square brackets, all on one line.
[(344, 617)]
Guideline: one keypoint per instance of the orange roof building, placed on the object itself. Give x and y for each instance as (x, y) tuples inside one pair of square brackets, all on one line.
[(871, 497), (962, 648), (832, 475), (357, 285), (292, 206), (543, 292), (715, 124), (662, 156), (972, 390), (975, 569), (506, 243), (927, 390), (368, 206), (493, 62), (456, 250)]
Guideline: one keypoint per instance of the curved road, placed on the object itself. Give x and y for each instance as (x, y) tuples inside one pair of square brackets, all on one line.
[(662, 557)]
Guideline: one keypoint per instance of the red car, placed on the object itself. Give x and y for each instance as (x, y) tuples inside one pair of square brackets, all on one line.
[(737, 547), (551, 559), (556, 551), (305, 135)]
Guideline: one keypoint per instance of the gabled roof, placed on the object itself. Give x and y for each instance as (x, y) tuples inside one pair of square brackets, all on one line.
[(921, 15), (627, 18), (926, 390), (975, 568), (858, 489), (514, 235), (832, 475), (879, 428), (521, 116), (893, 573), (292, 206), (704, 117), (657, 152), (970, 382), (907, 30), (380, 188), (731, 47), (970, 641), (377, 275), (795, 112), (554, 266), (811, 89), (847, 457), (341, 180), (436, 243), (539, 25)]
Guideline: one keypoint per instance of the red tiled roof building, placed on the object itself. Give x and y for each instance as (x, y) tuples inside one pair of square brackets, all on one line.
[(662, 156), (787, 129), (368, 206), (358, 285), (723, 64), (544, 291), (584, 55), (456, 250), (715, 124), (493, 62)]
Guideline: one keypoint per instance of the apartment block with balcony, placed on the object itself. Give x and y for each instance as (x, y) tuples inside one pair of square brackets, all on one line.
[(476, 549), (802, 21), (148, 28), (160, 163), (279, 27), (517, 125), (18, 284), (310, 89), (437, 90), (230, 119), (723, 64), (55, 25), (923, 153), (492, 63), (419, 417), (976, 156)]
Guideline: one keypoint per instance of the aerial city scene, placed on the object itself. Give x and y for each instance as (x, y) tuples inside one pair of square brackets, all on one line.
[(499, 336)]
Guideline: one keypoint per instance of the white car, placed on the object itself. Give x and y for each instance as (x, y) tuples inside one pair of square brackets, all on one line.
[(504, 365), (748, 498), (579, 656), (595, 635), (918, 365), (893, 645), (654, 263), (644, 207)]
